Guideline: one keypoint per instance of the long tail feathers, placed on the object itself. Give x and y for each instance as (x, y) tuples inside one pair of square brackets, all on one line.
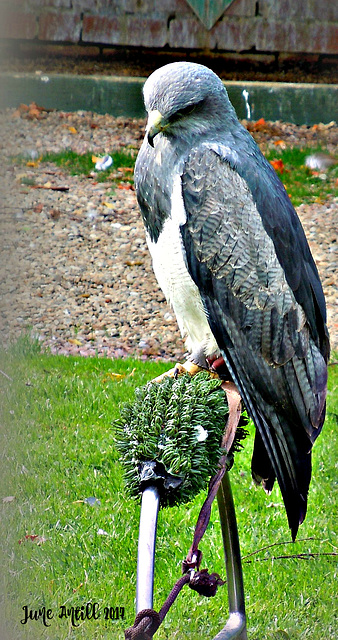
[(287, 455), (282, 449)]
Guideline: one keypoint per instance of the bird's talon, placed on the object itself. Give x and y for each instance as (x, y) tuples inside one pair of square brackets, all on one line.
[(181, 369), (177, 370), (191, 367)]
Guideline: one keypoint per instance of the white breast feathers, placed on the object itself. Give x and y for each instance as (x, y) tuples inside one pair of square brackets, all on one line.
[(171, 271)]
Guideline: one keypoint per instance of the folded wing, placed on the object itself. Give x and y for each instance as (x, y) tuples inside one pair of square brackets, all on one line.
[(247, 253)]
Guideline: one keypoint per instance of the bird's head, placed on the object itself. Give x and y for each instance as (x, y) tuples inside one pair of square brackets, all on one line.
[(185, 96)]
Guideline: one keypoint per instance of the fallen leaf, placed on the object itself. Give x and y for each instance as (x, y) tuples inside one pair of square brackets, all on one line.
[(125, 169), (33, 538), (34, 163), (75, 341), (35, 112), (55, 214), (278, 165), (280, 143), (259, 124), (124, 185), (109, 205), (135, 263), (23, 108), (72, 130), (31, 111), (113, 376), (82, 583)]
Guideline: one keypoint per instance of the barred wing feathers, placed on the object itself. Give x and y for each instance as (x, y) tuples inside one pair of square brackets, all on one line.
[(261, 292)]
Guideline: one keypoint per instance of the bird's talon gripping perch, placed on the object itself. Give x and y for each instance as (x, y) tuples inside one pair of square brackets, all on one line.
[(181, 369)]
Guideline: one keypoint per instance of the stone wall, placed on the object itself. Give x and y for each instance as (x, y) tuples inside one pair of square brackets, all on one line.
[(295, 26)]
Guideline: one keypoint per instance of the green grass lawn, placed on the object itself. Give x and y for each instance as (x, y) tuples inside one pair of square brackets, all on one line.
[(83, 164), (57, 450), (301, 183)]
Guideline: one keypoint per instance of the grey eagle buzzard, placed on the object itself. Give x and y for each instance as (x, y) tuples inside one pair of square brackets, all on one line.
[(232, 259)]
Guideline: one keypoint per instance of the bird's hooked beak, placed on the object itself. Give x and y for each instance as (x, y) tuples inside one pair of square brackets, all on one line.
[(155, 124)]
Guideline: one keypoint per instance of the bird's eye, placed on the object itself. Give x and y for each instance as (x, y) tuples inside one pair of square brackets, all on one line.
[(186, 111)]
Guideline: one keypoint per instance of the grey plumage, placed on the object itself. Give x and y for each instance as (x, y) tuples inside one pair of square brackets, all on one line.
[(215, 206)]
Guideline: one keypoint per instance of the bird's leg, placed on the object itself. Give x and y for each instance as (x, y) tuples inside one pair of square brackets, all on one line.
[(199, 359)]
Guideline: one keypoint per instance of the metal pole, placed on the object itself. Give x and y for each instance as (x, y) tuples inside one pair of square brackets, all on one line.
[(235, 627), (146, 548)]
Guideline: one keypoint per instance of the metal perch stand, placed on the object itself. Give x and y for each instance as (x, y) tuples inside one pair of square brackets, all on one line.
[(235, 627), (236, 624)]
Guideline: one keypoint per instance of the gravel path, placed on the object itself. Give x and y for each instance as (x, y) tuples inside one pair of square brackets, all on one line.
[(74, 264)]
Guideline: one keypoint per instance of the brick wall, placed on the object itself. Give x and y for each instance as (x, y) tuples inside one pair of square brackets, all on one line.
[(307, 26)]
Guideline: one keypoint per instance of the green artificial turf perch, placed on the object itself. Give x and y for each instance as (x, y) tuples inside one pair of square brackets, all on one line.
[(171, 434)]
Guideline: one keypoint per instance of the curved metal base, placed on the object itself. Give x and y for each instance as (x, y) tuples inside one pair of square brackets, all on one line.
[(235, 628)]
